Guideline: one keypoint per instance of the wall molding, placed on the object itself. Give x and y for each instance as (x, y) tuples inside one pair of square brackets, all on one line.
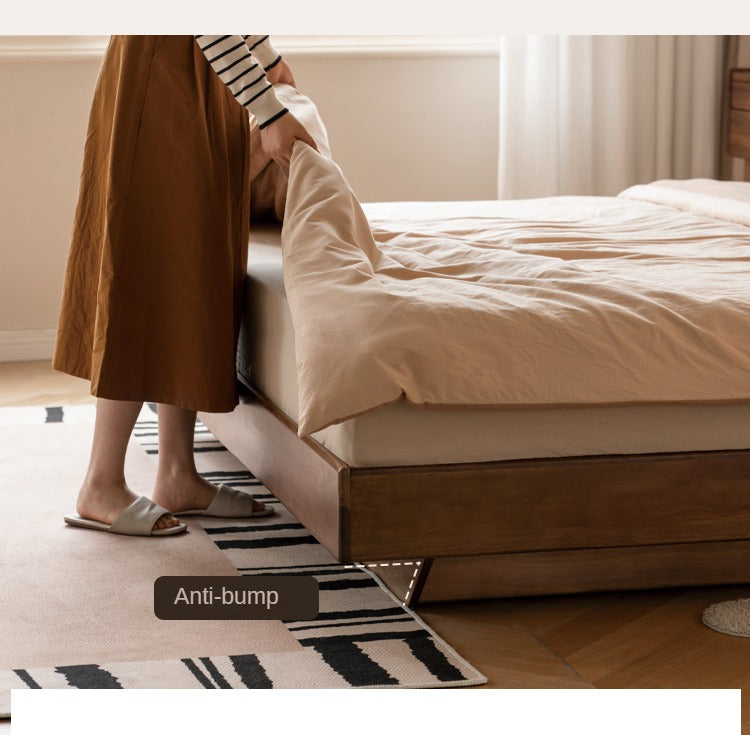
[(72, 48), (387, 46), (17, 345), (51, 48)]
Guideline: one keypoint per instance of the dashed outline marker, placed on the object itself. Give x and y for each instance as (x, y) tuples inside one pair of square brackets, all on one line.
[(410, 589)]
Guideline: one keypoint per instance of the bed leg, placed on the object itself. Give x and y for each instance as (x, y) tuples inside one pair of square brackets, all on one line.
[(404, 579), (412, 599)]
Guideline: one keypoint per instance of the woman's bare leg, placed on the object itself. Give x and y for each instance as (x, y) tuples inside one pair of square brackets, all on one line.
[(178, 485), (104, 493)]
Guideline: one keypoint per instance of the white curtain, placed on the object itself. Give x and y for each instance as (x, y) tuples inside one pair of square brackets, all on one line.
[(596, 114)]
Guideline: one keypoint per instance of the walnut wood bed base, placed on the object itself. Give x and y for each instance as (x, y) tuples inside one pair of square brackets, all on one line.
[(508, 528)]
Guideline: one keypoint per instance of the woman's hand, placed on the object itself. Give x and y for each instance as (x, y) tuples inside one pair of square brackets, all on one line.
[(278, 137), (281, 74)]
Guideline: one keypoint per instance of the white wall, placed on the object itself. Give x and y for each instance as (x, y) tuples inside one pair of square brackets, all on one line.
[(409, 128), (409, 119)]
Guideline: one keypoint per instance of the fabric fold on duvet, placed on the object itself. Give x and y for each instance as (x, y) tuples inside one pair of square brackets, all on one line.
[(567, 301)]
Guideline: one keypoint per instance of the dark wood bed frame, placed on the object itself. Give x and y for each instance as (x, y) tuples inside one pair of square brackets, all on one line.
[(739, 117), (507, 528), (519, 527)]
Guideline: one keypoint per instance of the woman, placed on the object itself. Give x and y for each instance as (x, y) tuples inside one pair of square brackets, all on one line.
[(153, 287)]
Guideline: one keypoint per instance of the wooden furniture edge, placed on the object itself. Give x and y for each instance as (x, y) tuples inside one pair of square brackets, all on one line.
[(738, 138), (588, 570), (312, 483), (587, 507), (549, 504)]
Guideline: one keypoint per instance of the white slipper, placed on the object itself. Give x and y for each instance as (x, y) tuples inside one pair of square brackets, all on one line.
[(136, 520), (229, 503)]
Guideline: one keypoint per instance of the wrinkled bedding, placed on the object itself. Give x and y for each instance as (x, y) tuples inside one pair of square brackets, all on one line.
[(565, 301)]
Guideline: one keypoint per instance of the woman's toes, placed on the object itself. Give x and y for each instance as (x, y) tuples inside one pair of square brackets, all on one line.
[(166, 521)]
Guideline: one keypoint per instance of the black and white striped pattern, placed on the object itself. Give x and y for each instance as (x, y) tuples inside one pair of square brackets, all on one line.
[(362, 630), (147, 434), (233, 58), (363, 636), (305, 669)]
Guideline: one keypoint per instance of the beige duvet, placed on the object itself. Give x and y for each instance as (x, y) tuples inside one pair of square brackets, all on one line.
[(567, 301)]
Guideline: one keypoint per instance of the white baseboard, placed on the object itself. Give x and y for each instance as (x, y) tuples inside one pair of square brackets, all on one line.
[(17, 345)]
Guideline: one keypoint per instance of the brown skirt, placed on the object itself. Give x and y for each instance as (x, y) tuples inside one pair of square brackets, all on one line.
[(153, 288)]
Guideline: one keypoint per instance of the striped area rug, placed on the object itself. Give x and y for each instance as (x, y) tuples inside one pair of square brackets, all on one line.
[(363, 636)]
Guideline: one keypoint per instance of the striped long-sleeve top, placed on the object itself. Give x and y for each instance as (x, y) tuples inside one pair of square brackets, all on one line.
[(241, 63)]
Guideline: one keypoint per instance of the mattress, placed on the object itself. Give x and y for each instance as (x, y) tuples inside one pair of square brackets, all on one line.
[(401, 434)]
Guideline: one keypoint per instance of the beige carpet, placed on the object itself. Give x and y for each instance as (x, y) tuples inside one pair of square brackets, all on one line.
[(77, 605), (76, 596)]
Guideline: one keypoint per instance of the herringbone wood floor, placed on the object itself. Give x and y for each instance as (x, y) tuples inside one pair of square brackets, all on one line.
[(644, 639)]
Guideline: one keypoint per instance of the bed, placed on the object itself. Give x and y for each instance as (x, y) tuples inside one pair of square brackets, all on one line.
[(464, 501)]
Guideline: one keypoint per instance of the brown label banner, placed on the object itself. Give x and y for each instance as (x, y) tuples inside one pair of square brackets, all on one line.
[(261, 597)]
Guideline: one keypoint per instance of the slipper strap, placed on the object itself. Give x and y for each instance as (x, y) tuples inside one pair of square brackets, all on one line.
[(138, 518), (230, 503)]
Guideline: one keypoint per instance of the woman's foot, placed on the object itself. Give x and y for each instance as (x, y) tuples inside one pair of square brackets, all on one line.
[(105, 502), (179, 491)]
